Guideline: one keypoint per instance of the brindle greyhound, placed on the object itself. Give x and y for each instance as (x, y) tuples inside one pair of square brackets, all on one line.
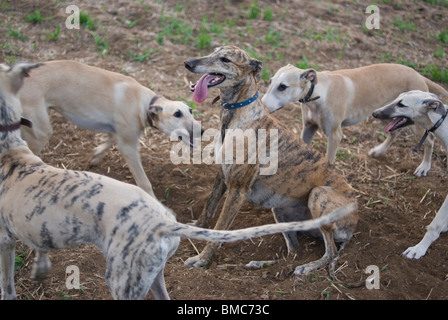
[(305, 185)]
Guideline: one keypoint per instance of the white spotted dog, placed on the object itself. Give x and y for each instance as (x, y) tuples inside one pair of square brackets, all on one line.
[(49, 208), (102, 101), (428, 111), (332, 100)]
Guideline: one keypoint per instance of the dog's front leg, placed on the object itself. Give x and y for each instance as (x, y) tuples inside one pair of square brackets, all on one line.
[(219, 188), (129, 149), (232, 205), (334, 138), (7, 259)]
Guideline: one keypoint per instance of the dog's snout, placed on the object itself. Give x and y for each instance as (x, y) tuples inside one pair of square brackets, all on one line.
[(202, 131), (375, 114)]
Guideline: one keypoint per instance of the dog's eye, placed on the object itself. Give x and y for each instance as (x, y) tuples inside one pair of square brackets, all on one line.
[(400, 105), (191, 111), (282, 87), (178, 114), (225, 60)]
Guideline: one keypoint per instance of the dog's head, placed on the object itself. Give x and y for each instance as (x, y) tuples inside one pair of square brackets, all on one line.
[(11, 80), (227, 67), (174, 118), (412, 107), (289, 84)]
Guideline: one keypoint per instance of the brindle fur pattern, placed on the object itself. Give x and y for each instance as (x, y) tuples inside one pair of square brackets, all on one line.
[(305, 185), (49, 208)]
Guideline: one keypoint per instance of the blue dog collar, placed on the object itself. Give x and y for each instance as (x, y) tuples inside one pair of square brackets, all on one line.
[(239, 104)]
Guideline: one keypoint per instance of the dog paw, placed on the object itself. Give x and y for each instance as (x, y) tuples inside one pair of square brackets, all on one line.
[(302, 270), (196, 262), (413, 253), (422, 170), (376, 152)]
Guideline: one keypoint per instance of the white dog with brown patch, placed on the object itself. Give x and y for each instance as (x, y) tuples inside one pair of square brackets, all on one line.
[(426, 110), (335, 99), (102, 101)]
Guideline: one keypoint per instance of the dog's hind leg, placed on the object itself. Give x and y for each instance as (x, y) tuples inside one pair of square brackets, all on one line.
[(324, 200), (158, 287), (41, 266), (99, 151), (7, 259), (288, 214)]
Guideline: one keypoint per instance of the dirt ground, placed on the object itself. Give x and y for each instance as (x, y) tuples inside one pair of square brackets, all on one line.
[(149, 40)]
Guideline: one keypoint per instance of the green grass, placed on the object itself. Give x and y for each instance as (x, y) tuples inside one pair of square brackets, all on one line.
[(86, 21), (254, 10), (101, 44), (34, 17), (403, 25), (443, 3), (434, 73), (15, 33), (443, 36)]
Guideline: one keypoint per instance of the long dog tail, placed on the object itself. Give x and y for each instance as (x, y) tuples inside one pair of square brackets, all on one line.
[(188, 231), (437, 89)]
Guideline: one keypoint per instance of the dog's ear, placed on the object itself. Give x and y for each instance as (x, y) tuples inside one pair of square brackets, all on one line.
[(256, 66), (19, 71), (152, 115), (435, 105), (309, 75)]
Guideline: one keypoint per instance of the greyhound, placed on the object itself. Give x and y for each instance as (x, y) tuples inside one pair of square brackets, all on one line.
[(50, 208), (102, 101), (426, 110), (335, 99), (305, 184)]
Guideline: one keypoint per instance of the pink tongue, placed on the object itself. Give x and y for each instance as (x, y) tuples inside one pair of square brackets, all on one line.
[(392, 124), (201, 90)]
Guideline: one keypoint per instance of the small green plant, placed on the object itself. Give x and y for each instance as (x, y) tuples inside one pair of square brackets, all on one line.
[(204, 39), (53, 36), (404, 26), (15, 33), (443, 36), (141, 57), (254, 10), (439, 53), (435, 74), (86, 21), (168, 190), (268, 15), (101, 44), (34, 17)]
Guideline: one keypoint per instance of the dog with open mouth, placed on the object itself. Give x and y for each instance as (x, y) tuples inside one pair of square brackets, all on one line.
[(426, 110), (305, 184)]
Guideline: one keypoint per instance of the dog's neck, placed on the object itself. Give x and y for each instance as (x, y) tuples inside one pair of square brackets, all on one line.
[(442, 131), (243, 91), (10, 124)]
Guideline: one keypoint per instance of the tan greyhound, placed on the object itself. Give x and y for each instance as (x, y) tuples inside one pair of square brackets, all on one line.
[(335, 99), (102, 101)]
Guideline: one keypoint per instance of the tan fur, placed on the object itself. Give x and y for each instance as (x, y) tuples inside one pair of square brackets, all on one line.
[(305, 182), (347, 97), (102, 101)]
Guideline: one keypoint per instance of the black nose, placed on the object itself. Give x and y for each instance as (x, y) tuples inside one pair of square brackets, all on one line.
[(189, 64), (375, 115), (202, 131)]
